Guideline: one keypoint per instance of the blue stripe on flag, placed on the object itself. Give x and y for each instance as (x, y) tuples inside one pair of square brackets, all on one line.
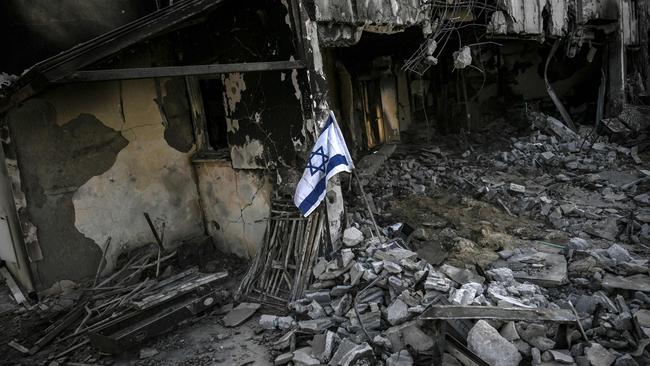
[(313, 197)]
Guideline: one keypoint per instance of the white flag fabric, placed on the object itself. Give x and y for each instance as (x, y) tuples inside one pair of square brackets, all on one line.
[(329, 157)]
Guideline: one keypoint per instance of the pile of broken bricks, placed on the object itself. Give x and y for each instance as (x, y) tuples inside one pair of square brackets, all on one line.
[(375, 302)]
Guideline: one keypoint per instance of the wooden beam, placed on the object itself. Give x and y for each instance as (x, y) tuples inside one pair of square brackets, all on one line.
[(172, 71), (452, 312)]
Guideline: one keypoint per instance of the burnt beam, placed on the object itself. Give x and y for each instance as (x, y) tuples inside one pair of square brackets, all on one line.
[(177, 71)]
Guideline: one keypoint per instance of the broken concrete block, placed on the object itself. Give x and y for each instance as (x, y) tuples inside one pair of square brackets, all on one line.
[(323, 345), (356, 273), (503, 274), (240, 314), (342, 305), (461, 275), (509, 332), (352, 236), (359, 355), (437, 283), (283, 359), (398, 312), (416, 338), (599, 355), (315, 325), (392, 267), (563, 357), (340, 290), (344, 348), (346, 256), (462, 296), (302, 357), (401, 358), (619, 254), (277, 322), (517, 188), (535, 335), (322, 297), (316, 310), (488, 344)]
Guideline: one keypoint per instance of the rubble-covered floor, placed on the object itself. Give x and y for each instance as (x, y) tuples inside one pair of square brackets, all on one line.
[(506, 217)]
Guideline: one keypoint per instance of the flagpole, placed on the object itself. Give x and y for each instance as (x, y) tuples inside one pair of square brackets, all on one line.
[(365, 198)]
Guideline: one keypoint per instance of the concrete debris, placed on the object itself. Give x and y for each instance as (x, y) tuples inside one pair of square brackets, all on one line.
[(599, 355), (539, 228), (488, 344), (352, 236)]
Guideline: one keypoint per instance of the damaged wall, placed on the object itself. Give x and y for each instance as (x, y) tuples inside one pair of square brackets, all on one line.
[(236, 204), (93, 158)]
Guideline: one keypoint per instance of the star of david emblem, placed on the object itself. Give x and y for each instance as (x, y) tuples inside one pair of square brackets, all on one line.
[(317, 161)]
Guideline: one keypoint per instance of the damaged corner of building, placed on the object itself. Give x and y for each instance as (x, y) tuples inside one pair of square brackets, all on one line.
[(329, 182)]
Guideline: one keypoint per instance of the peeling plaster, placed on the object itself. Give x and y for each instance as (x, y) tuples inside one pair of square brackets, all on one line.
[(249, 155), (147, 176), (234, 85), (312, 36)]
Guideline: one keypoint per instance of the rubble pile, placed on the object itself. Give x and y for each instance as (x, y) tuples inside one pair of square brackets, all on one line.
[(551, 175), (371, 301), (366, 302)]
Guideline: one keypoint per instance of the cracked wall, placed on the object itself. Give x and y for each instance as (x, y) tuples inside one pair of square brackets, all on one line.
[(93, 158), (236, 205)]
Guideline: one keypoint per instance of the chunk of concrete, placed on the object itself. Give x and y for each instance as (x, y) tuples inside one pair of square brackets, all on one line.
[(240, 314), (352, 236), (503, 274), (398, 312), (302, 357), (599, 355), (488, 344), (401, 358)]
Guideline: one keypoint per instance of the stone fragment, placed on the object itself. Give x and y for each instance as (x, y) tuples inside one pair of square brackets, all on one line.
[(626, 360), (323, 345), (352, 236), (416, 338), (340, 290), (398, 312), (619, 254), (503, 274), (509, 332), (240, 314), (462, 296), (315, 325), (392, 267), (488, 344), (359, 355), (316, 310), (461, 275), (346, 256), (535, 335), (302, 357), (322, 297), (277, 322), (283, 359), (517, 188), (342, 304), (147, 352), (563, 357), (599, 355), (401, 358)]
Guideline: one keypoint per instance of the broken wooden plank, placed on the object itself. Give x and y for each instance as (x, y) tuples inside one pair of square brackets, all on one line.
[(171, 71), (154, 231), (459, 312), (183, 288), (16, 292), (67, 321)]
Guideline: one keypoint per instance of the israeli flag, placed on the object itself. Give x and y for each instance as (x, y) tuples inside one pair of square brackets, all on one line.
[(329, 157)]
